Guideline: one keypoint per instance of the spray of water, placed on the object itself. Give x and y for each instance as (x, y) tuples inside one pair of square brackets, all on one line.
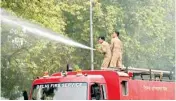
[(38, 30)]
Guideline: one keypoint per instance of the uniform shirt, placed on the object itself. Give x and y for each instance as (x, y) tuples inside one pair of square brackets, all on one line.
[(116, 45)]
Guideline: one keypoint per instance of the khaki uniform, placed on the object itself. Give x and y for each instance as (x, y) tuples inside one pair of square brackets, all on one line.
[(105, 49), (116, 49)]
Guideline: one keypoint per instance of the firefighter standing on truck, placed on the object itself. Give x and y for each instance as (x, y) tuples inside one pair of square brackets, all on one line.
[(104, 48), (116, 49)]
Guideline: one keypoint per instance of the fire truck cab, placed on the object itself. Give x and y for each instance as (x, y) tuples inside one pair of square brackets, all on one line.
[(99, 85)]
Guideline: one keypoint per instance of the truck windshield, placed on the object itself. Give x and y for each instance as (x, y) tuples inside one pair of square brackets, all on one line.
[(60, 91)]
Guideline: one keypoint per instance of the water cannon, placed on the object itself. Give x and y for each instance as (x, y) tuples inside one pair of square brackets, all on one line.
[(69, 68)]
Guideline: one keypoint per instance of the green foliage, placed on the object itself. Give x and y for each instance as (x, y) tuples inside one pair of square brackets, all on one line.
[(146, 30)]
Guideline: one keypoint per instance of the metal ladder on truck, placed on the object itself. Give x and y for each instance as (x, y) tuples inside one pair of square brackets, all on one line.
[(147, 74)]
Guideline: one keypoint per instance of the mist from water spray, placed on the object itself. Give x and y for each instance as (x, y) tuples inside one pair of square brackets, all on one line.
[(38, 30)]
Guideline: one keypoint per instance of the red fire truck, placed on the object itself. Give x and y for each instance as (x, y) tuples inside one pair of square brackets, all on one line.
[(129, 84)]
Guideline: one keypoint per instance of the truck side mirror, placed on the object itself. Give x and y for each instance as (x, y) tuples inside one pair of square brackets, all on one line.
[(25, 95)]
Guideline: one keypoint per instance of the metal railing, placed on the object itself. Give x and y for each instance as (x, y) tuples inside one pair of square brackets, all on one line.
[(152, 74)]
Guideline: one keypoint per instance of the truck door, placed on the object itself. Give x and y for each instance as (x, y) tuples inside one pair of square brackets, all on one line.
[(104, 91)]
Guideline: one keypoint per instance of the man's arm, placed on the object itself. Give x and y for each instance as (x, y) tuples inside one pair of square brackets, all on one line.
[(102, 49), (99, 48), (121, 47), (112, 44)]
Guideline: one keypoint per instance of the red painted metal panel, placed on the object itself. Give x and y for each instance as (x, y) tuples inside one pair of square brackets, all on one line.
[(150, 90), (70, 78)]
